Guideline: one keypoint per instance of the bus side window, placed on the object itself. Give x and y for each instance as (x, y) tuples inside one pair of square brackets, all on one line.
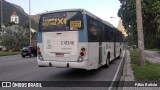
[(106, 36), (92, 30)]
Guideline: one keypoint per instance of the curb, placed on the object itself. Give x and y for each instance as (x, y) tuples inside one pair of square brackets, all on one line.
[(129, 76), (127, 70)]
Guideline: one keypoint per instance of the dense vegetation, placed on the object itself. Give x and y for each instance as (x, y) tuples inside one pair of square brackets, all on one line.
[(15, 37), (151, 24)]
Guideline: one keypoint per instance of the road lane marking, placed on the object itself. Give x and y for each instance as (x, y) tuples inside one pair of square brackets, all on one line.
[(116, 73)]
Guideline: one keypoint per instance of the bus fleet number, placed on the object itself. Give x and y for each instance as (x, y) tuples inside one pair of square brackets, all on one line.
[(67, 42)]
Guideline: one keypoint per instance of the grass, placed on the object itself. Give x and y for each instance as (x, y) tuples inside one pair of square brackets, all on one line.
[(6, 53), (149, 71)]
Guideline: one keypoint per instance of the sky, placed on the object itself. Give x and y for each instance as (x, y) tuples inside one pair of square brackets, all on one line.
[(105, 9)]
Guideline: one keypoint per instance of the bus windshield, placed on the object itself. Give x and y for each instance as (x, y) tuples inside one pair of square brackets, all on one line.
[(61, 21)]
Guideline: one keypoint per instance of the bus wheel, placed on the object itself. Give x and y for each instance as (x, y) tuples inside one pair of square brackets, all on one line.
[(119, 54), (107, 61)]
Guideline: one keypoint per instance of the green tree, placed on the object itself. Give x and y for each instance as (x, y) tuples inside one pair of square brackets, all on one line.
[(15, 37), (150, 10)]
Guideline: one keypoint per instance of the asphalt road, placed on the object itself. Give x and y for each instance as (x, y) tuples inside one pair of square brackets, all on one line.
[(16, 68)]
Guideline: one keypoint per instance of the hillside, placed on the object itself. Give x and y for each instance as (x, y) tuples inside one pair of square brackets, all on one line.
[(36, 17), (8, 9)]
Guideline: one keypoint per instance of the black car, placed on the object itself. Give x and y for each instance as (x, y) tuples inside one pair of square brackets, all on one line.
[(29, 51)]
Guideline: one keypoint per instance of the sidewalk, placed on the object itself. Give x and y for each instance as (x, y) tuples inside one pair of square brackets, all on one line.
[(153, 56), (129, 76)]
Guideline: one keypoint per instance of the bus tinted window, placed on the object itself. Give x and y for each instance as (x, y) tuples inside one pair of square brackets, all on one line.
[(109, 34), (61, 21), (92, 29)]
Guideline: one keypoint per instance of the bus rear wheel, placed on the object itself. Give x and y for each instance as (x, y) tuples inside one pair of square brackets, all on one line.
[(107, 62), (120, 52)]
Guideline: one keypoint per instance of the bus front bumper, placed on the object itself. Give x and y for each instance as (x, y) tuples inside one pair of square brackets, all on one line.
[(81, 65)]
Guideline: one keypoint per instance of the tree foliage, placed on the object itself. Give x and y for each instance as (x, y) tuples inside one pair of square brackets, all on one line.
[(15, 37), (150, 9)]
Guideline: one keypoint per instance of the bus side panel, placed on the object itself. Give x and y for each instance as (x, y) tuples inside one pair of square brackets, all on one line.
[(110, 49), (104, 53), (93, 55), (107, 47), (117, 49)]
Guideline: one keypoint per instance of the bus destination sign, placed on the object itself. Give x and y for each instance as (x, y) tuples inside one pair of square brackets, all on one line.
[(50, 22)]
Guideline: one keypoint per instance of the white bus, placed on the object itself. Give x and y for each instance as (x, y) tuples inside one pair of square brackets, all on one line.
[(76, 38)]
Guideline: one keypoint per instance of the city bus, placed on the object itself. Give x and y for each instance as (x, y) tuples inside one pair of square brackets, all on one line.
[(76, 38)]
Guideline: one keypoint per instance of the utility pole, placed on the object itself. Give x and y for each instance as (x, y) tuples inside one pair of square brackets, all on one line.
[(30, 22), (140, 32), (1, 16)]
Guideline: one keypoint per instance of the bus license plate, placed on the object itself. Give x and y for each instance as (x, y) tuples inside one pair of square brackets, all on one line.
[(59, 55)]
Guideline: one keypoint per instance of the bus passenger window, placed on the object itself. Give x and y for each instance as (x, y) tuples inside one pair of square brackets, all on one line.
[(92, 30)]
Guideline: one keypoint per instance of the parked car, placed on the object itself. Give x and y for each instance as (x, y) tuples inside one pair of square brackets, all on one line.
[(29, 51)]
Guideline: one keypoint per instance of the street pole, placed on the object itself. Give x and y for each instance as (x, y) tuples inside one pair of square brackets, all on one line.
[(140, 32), (1, 16), (30, 21)]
